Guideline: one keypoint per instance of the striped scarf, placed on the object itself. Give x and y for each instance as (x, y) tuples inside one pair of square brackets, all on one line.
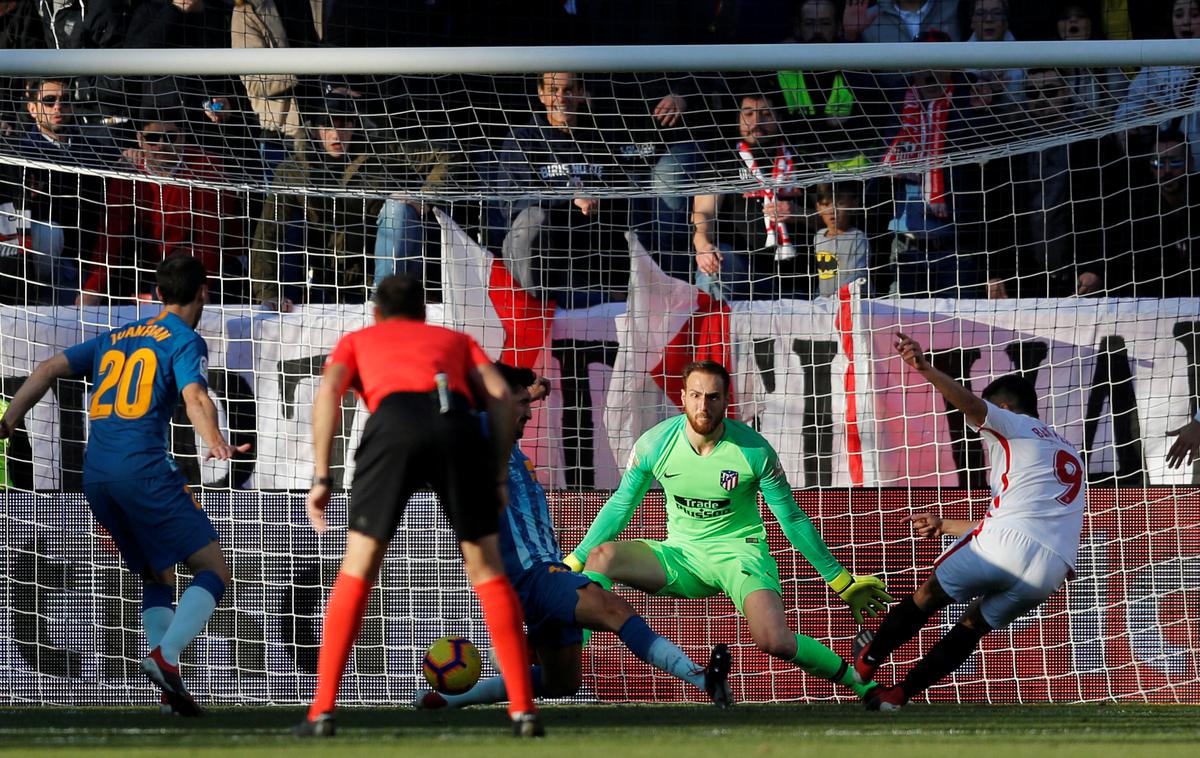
[(922, 138), (781, 174)]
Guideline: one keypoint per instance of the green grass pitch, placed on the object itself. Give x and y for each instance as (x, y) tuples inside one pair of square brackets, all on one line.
[(624, 731)]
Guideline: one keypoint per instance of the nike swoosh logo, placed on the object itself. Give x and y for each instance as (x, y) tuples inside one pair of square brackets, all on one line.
[(668, 476)]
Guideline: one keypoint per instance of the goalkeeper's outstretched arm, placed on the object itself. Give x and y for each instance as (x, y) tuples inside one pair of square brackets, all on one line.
[(616, 513), (862, 593)]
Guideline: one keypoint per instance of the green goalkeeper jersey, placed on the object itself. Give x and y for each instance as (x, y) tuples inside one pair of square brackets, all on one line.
[(714, 496)]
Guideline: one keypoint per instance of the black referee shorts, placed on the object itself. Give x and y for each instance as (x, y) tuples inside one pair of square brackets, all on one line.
[(408, 444)]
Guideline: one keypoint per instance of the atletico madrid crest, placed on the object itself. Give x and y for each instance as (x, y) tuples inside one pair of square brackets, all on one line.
[(729, 480)]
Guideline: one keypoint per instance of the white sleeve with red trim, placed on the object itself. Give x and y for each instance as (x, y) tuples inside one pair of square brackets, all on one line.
[(1037, 481)]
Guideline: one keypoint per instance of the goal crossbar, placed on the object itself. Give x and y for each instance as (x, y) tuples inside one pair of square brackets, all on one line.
[(611, 58)]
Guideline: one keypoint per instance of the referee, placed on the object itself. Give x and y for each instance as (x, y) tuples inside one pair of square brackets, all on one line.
[(424, 387)]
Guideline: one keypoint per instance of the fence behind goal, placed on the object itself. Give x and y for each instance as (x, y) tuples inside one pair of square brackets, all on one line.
[(971, 208)]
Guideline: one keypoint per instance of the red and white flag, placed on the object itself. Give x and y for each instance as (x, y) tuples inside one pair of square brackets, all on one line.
[(668, 323), (481, 298)]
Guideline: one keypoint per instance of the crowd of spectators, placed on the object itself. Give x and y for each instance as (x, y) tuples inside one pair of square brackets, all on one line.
[(298, 189)]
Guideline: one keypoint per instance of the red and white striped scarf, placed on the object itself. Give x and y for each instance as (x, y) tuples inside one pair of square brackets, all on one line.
[(922, 138), (779, 184)]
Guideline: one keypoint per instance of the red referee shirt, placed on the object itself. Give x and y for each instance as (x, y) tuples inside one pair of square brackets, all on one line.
[(401, 355)]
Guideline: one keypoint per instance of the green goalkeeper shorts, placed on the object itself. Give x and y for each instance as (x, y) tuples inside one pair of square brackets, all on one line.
[(735, 567)]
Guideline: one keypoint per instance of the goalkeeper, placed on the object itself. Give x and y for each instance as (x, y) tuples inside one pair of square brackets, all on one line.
[(711, 469)]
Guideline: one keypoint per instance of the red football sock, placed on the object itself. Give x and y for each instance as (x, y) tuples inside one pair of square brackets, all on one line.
[(505, 623), (343, 620)]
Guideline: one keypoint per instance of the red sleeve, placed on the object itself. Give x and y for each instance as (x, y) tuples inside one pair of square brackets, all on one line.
[(344, 355)]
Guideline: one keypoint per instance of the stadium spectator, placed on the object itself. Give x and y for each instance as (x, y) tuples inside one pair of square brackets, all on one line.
[(315, 247), (74, 24), (66, 208), (1060, 193), (133, 486), (1160, 88), (743, 241), (645, 120), (899, 20), (273, 98), (1006, 564), (989, 23), (568, 247), (214, 106), (1163, 231), (1097, 90), (840, 250), (988, 92), (170, 208), (934, 218), (425, 387), (831, 112), (20, 29)]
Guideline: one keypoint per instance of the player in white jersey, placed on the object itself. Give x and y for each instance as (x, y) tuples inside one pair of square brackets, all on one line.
[(1005, 564)]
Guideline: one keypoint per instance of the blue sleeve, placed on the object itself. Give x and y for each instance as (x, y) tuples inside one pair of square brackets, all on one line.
[(82, 357), (190, 364)]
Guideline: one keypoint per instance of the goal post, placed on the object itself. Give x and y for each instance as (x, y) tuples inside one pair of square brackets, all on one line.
[(604, 216)]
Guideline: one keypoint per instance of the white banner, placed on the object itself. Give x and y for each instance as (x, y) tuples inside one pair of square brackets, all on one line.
[(1112, 375)]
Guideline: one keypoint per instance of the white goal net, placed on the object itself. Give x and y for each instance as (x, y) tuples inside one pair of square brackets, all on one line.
[(605, 229)]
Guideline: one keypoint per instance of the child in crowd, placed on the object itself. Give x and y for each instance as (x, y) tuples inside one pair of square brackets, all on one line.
[(840, 250)]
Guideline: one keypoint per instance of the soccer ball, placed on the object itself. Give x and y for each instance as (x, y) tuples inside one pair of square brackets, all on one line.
[(451, 665)]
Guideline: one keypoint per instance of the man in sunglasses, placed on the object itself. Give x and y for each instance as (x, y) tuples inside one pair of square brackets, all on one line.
[(65, 207), (170, 208)]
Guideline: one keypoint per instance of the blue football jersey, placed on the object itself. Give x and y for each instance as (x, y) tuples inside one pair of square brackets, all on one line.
[(526, 531), (137, 373)]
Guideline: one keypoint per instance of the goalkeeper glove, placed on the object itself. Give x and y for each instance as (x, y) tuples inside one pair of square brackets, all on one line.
[(573, 563), (861, 593)]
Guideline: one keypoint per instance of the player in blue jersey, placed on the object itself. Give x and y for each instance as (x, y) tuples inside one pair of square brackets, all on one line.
[(558, 603), (135, 490)]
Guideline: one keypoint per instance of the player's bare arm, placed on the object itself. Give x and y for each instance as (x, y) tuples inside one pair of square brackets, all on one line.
[(1186, 446), (929, 525), (326, 408), (38, 383), (203, 415), (959, 396)]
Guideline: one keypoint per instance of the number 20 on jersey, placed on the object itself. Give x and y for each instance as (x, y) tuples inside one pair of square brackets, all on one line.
[(133, 378)]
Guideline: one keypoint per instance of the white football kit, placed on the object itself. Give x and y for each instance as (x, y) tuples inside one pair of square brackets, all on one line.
[(1025, 547)]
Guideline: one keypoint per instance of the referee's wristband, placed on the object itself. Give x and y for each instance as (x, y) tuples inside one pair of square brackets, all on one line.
[(323, 480)]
